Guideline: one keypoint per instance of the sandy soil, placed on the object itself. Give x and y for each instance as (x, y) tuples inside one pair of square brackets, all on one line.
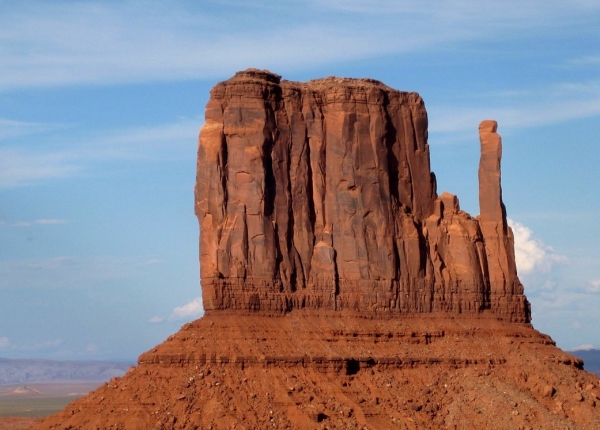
[(16, 423)]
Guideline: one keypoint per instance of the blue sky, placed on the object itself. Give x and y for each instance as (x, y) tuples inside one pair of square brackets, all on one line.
[(101, 104)]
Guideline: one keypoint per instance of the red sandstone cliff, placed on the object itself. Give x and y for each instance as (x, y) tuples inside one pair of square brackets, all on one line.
[(320, 195)]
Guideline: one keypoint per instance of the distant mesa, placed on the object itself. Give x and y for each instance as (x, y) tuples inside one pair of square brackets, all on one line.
[(591, 358), (28, 371), (24, 389), (341, 291), (319, 195)]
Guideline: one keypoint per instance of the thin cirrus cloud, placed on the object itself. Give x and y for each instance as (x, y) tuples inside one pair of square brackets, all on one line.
[(457, 11), (148, 143), (100, 42), (19, 167), (10, 129), (585, 61), (522, 109), (23, 166), (67, 271), (42, 221), (48, 44), (104, 43)]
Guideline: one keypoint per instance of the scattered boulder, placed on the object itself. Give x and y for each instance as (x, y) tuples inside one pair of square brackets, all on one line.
[(548, 391)]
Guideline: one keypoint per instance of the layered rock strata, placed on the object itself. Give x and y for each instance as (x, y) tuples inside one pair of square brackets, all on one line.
[(319, 195), (305, 371)]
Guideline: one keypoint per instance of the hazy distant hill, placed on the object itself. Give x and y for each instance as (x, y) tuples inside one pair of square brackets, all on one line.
[(22, 371), (591, 359)]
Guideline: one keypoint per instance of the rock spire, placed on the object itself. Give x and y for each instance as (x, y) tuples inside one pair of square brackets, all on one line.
[(505, 287)]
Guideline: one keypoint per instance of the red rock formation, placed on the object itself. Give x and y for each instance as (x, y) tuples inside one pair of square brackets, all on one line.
[(320, 195), (506, 291)]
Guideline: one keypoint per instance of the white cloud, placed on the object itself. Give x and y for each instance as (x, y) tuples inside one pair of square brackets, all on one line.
[(517, 109), (4, 342), (40, 222), (159, 142), (189, 311), (586, 60), (47, 44), (593, 286), (151, 262), (584, 347), (493, 13), (67, 271), (91, 348), (10, 129), (532, 254), (56, 43), (50, 221), (156, 320), (103, 43), (21, 166)]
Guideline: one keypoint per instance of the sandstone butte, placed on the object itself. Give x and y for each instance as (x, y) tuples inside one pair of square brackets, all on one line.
[(340, 290)]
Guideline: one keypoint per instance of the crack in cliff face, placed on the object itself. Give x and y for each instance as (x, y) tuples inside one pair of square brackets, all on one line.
[(392, 158), (340, 209)]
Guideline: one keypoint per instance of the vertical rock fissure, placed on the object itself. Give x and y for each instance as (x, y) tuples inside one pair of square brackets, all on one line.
[(393, 163), (270, 185), (289, 234), (224, 171), (310, 201), (407, 154)]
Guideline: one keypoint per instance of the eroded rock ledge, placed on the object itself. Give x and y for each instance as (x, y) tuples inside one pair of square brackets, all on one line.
[(320, 195)]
